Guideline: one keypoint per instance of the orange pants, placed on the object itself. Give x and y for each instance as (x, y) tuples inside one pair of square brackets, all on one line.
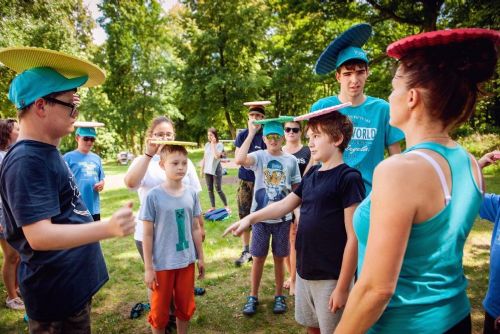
[(178, 283)]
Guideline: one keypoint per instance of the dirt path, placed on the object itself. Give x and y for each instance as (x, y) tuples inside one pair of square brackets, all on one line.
[(116, 181)]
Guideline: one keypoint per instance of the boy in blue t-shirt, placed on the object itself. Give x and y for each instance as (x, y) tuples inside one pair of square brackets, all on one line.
[(326, 245), (276, 175), (490, 210), (86, 166), (372, 133), (171, 243)]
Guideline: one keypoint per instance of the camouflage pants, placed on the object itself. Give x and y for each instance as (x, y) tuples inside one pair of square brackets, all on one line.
[(245, 195), (78, 323)]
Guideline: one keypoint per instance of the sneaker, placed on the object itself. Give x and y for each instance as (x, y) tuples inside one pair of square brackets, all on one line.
[(279, 305), (245, 257), (199, 291), (15, 303), (250, 307)]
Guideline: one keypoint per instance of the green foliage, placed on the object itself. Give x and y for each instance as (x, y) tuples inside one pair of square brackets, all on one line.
[(220, 47), (139, 64), (31, 23)]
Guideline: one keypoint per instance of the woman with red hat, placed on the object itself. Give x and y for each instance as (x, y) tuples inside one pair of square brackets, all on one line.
[(412, 228)]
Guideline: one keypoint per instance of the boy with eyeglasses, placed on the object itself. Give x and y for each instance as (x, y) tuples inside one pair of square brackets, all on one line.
[(276, 175), (86, 166), (46, 221)]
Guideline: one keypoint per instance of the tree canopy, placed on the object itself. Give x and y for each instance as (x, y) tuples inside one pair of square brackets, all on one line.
[(198, 62)]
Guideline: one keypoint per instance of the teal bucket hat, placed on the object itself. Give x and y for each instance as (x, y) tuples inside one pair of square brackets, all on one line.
[(273, 127), (345, 47), (38, 82), (86, 132)]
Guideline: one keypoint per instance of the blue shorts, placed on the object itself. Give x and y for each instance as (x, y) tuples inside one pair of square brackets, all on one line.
[(262, 232)]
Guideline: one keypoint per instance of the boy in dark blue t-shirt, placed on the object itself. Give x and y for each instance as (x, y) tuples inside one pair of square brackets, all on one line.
[(46, 220), (326, 244)]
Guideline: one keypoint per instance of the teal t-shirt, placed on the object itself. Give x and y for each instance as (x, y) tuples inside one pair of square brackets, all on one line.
[(430, 295), (371, 135)]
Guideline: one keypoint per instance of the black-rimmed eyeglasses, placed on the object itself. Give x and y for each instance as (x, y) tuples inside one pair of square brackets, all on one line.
[(74, 108)]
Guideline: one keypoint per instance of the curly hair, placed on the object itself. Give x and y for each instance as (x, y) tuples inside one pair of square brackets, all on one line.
[(6, 126)]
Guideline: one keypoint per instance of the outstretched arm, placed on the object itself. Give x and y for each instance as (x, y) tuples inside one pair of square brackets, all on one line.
[(274, 210), (489, 158), (44, 235)]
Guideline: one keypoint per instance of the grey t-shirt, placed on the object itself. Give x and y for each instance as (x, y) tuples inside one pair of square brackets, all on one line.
[(210, 162), (274, 177), (172, 217)]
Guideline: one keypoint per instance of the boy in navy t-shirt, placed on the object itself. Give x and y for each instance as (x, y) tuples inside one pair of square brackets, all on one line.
[(326, 244), (46, 220)]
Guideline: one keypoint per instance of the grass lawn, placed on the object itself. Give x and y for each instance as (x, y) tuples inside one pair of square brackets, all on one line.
[(218, 311)]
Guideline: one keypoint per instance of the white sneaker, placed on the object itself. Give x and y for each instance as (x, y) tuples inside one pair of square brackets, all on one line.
[(15, 303)]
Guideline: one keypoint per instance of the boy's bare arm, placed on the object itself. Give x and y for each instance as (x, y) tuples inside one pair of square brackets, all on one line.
[(44, 235), (241, 155), (147, 249), (339, 296), (198, 243), (274, 210)]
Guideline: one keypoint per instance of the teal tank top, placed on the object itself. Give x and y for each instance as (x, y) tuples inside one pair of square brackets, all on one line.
[(430, 295)]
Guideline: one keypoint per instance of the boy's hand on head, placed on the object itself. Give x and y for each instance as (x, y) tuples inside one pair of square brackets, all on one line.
[(76, 100), (150, 279), (122, 222), (337, 301), (252, 128), (201, 269), (151, 148)]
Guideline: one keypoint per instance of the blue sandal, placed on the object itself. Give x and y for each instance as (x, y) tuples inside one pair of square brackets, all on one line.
[(199, 291), (250, 307), (279, 305)]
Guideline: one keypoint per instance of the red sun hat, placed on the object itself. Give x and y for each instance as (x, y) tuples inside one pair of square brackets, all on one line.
[(400, 48)]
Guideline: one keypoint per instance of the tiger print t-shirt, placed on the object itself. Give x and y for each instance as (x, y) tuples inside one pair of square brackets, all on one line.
[(274, 177)]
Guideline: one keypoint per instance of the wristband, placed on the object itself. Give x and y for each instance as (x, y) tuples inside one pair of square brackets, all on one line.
[(148, 155)]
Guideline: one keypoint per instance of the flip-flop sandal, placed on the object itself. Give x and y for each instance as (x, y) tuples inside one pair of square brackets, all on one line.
[(199, 291), (136, 311)]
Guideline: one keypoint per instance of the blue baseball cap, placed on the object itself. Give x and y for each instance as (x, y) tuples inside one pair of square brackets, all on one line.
[(273, 127), (350, 53), (38, 82), (346, 46), (86, 132)]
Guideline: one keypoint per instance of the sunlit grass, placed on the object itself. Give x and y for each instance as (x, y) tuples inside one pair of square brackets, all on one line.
[(219, 310)]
